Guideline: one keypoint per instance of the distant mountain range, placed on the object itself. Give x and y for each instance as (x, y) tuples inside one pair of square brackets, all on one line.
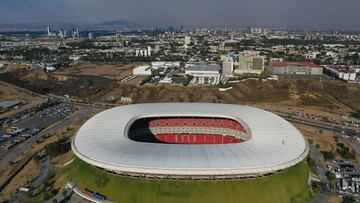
[(119, 23), (42, 26)]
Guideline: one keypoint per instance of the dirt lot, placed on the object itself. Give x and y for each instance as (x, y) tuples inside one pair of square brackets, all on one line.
[(7, 93), (114, 72)]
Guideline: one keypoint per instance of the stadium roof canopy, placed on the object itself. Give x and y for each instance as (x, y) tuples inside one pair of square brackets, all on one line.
[(274, 144)]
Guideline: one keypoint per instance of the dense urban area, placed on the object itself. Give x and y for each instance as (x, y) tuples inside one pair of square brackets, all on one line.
[(53, 80)]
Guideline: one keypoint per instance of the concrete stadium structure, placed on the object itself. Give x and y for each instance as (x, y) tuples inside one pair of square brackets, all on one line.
[(189, 141)]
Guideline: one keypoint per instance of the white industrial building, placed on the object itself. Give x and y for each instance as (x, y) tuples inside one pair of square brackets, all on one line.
[(166, 63), (142, 70), (272, 144), (203, 70), (148, 70)]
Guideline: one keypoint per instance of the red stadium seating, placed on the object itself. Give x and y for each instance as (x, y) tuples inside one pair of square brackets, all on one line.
[(196, 122), (184, 138)]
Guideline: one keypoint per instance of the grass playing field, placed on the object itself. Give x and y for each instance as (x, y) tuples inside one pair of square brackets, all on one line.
[(287, 186)]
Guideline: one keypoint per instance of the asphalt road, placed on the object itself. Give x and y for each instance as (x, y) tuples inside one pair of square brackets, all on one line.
[(348, 131)]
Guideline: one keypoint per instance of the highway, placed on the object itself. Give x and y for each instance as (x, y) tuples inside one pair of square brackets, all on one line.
[(332, 128)]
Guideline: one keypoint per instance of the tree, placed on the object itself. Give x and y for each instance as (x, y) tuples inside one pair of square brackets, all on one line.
[(188, 80), (145, 80), (311, 162), (330, 176), (328, 155)]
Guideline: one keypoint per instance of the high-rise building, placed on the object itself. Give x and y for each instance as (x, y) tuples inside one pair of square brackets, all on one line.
[(245, 59), (258, 63), (187, 40), (75, 33), (250, 62), (90, 36), (222, 46), (157, 48), (61, 34), (49, 31), (149, 51), (228, 66)]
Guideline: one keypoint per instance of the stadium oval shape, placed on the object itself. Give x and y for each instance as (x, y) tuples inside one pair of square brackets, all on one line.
[(263, 143)]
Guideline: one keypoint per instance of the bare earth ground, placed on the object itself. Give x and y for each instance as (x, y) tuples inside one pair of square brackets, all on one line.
[(63, 158), (7, 93), (116, 72), (334, 200), (28, 173), (247, 92), (324, 138)]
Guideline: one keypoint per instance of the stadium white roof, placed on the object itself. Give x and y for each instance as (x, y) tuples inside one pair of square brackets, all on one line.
[(275, 144)]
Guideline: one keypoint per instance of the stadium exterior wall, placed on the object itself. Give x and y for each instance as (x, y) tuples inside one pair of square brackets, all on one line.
[(178, 172)]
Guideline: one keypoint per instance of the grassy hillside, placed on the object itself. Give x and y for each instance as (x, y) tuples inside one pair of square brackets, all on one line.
[(306, 92), (287, 186)]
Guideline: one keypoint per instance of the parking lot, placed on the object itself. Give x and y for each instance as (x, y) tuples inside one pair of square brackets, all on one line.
[(46, 117), (347, 176), (30, 125)]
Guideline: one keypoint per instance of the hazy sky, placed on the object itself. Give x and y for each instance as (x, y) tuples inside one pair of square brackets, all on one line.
[(312, 13)]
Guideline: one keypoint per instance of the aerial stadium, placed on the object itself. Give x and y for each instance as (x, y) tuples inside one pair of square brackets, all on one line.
[(189, 141)]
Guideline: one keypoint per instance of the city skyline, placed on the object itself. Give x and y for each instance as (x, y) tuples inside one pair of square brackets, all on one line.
[(271, 13)]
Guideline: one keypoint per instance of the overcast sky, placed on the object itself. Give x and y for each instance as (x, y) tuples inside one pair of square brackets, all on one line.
[(311, 13)]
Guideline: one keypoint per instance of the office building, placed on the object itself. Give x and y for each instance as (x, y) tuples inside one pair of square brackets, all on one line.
[(228, 66), (250, 62)]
